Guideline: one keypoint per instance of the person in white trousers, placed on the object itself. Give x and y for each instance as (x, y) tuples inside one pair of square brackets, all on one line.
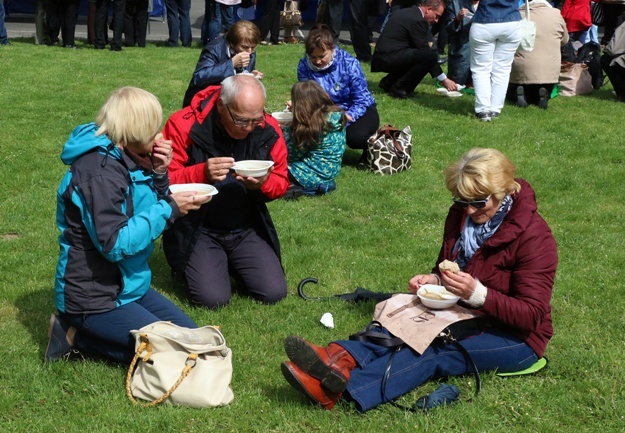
[(494, 37)]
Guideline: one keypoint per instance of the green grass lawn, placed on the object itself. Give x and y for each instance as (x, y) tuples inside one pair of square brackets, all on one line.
[(374, 232)]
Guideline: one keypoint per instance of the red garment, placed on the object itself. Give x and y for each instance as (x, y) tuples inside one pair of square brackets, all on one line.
[(576, 14), (177, 129), (517, 264)]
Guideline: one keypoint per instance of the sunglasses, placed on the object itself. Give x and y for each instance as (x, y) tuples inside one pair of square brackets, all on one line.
[(477, 204)]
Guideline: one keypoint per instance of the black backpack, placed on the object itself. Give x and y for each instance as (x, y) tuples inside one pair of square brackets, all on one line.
[(590, 54)]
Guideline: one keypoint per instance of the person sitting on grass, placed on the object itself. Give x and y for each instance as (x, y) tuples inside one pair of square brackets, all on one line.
[(112, 204), (507, 258), (233, 54), (341, 76), (315, 140), (234, 234)]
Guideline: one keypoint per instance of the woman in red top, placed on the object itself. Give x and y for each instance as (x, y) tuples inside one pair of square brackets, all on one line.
[(507, 257)]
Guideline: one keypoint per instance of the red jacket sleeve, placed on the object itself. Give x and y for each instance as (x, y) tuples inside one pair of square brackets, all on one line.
[(278, 181), (177, 130)]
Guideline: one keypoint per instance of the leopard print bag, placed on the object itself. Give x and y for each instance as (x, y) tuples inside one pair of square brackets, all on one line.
[(389, 150)]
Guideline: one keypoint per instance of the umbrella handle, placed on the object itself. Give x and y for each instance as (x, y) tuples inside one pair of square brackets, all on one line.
[(300, 287)]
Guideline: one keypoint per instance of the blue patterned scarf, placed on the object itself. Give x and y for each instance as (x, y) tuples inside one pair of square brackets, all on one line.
[(474, 235)]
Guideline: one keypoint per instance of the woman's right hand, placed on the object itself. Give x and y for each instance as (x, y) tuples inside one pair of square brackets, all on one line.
[(241, 60), (187, 201), (419, 280)]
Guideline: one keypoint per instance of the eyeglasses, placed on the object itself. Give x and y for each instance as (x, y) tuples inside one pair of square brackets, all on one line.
[(244, 123), (477, 204)]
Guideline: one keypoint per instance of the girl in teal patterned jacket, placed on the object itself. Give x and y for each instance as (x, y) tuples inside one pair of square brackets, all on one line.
[(316, 138)]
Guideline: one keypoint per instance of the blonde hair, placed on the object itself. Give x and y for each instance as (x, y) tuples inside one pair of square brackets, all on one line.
[(480, 173), (130, 115)]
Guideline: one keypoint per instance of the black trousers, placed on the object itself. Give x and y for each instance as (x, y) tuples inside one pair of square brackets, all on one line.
[(333, 16), (407, 67), (62, 15), (101, 22), (616, 74), (359, 28), (136, 22), (270, 22), (364, 127)]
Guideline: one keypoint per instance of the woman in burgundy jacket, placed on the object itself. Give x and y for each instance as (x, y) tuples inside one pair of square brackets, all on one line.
[(507, 257)]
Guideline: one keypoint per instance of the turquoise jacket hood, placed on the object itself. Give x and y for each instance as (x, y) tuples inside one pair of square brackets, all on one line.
[(83, 140)]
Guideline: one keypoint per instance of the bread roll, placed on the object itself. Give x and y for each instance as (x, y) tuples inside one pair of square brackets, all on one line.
[(447, 265)]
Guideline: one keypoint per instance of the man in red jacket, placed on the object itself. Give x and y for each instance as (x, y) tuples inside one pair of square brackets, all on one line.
[(234, 231)]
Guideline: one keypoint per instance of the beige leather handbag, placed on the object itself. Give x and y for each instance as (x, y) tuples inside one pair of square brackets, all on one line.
[(180, 366)]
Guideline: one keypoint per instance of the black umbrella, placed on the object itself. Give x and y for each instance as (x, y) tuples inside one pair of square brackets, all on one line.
[(360, 294)]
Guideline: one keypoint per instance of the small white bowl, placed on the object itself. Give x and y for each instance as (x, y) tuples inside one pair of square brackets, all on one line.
[(436, 297), (200, 189), (284, 118), (252, 167)]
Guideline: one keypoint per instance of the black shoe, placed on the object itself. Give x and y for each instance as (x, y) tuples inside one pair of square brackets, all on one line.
[(543, 100), (494, 115), (442, 60), (71, 47), (385, 84), (484, 116), (398, 93), (293, 192), (520, 97), (116, 48), (58, 346)]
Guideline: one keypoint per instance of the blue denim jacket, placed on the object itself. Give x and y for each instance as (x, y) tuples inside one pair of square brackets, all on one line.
[(497, 11)]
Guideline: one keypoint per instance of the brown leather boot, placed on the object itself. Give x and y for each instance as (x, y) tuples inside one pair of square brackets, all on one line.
[(331, 365), (308, 385)]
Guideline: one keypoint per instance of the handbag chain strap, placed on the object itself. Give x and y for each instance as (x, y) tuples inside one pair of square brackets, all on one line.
[(145, 345)]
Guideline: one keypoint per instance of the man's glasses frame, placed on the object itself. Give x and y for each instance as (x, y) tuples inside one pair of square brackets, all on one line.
[(477, 204), (244, 123)]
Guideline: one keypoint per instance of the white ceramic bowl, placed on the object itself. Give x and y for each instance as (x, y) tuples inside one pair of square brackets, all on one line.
[(252, 167), (283, 117), (436, 297), (200, 189)]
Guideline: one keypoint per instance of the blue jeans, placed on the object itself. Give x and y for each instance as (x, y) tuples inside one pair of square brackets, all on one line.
[(225, 15), (211, 26), (3, 29), (494, 349), (108, 334), (179, 22)]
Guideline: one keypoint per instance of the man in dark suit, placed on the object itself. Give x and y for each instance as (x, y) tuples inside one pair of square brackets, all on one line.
[(403, 50)]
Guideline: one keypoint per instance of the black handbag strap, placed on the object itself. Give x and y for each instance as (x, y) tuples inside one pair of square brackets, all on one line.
[(370, 334)]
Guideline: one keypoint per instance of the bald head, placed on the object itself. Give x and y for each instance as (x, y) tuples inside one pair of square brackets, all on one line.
[(241, 104), (238, 88)]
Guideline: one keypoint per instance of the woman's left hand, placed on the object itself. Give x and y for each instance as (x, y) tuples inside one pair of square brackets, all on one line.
[(258, 74), (460, 284), (162, 154)]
